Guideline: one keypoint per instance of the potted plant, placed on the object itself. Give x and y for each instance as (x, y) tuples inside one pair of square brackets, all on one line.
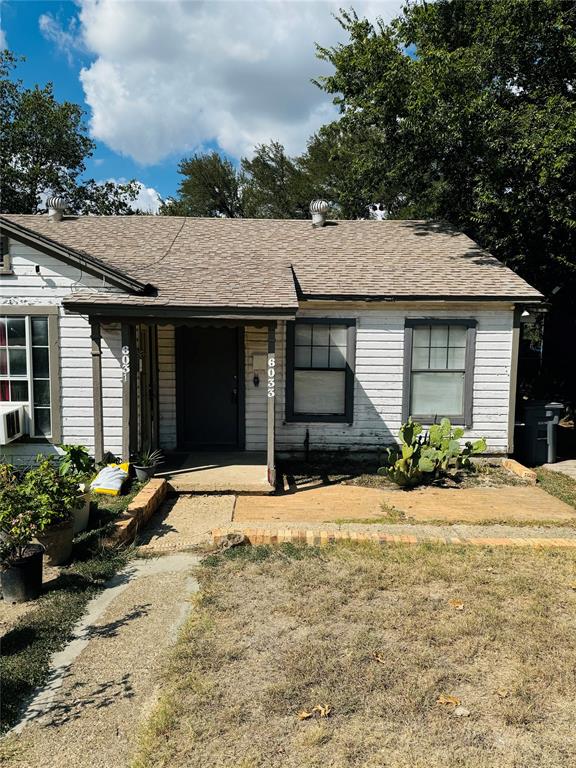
[(145, 464), (55, 498), (20, 559), (78, 464)]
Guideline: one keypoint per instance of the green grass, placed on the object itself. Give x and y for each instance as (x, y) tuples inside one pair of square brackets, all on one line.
[(112, 506), (28, 645), (557, 484)]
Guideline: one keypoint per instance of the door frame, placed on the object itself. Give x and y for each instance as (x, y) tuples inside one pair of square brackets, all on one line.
[(241, 376)]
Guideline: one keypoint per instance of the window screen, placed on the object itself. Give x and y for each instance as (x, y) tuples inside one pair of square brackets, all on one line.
[(320, 372)]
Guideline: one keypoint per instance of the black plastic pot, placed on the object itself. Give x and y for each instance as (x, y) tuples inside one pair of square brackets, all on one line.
[(22, 579), (143, 474)]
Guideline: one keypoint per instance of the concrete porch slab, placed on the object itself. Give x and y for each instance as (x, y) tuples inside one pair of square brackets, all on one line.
[(567, 468), (235, 472)]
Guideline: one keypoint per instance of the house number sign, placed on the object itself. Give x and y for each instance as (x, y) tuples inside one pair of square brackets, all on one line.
[(271, 375), (125, 363)]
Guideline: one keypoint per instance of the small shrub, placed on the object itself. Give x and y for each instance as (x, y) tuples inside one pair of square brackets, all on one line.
[(425, 456), (78, 462)]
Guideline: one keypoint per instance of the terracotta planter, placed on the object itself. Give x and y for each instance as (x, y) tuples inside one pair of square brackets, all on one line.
[(22, 579), (57, 542), (81, 513)]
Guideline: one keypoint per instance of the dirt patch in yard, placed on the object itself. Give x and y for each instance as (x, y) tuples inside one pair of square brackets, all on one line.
[(380, 637), (348, 503), (485, 473)]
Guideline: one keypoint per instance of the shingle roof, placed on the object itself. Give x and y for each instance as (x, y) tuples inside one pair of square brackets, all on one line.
[(258, 263)]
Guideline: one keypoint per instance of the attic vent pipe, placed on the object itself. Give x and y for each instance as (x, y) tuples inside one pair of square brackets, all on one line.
[(56, 206), (318, 209)]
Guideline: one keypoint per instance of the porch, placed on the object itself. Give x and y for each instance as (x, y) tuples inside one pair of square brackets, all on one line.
[(238, 472), (203, 390)]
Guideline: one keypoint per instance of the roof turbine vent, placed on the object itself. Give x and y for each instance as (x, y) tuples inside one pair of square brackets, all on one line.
[(56, 206), (319, 209)]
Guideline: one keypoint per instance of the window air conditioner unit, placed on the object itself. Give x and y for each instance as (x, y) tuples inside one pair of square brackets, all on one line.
[(11, 423)]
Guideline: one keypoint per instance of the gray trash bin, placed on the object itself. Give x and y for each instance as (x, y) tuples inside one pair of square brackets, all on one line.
[(536, 435)]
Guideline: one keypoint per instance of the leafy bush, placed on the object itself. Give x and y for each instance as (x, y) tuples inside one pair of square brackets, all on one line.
[(18, 524), (51, 495), (30, 502), (77, 461), (428, 455)]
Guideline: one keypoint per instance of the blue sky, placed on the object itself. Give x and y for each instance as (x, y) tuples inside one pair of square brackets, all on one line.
[(45, 62), (161, 79)]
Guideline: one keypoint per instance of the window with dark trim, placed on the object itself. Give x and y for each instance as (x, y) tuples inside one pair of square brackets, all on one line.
[(439, 370), (5, 263), (320, 370)]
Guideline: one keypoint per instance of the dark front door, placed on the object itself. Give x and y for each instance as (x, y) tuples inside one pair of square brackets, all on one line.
[(209, 390)]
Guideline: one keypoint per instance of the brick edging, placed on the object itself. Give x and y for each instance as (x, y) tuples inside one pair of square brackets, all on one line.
[(317, 538), (140, 510), (520, 470)]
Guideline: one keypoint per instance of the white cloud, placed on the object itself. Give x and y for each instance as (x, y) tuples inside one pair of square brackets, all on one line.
[(3, 41), (67, 41), (148, 199), (170, 76)]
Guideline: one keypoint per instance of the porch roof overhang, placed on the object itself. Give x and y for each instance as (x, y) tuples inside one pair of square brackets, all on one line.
[(149, 313)]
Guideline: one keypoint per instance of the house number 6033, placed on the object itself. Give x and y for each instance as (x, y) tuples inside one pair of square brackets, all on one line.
[(271, 375), (125, 362)]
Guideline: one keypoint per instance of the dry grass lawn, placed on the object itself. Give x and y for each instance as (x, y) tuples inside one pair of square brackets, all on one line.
[(378, 635)]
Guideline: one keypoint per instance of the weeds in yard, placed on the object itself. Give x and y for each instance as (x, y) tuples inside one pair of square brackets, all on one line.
[(373, 633), (391, 515), (46, 627), (557, 484), (28, 646)]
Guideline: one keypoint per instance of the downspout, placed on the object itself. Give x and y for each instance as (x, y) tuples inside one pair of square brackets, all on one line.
[(513, 378)]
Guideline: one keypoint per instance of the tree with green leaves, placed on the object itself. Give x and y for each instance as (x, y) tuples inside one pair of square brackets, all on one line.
[(277, 186), (211, 186), (43, 148), (269, 185), (464, 111)]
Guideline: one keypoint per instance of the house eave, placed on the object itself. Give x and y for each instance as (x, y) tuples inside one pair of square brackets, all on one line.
[(166, 313), (427, 297), (71, 256)]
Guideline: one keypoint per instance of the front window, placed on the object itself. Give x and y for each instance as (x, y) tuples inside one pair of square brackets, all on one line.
[(320, 370), (440, 382), (25, 368)]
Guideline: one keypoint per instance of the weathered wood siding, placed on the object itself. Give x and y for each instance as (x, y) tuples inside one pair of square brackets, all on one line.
[(167, 386), (255, 341), (378, 383), (379, 379), (55, 281)]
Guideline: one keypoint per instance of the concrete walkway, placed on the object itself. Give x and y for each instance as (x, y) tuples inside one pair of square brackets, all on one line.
[(105, 681), (185, 522), (564, 467)]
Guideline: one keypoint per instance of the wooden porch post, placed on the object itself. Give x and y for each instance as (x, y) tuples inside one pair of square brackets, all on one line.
[(271, 392), (129, 392), (96, 338)]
